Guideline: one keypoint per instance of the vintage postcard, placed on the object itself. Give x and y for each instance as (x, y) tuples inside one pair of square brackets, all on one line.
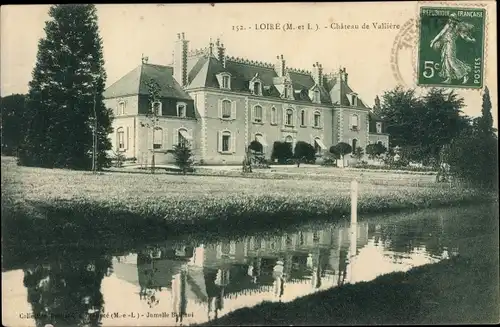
[(249, 164)]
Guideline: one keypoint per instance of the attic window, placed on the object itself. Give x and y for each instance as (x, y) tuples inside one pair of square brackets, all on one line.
[(257, 88), (379, 127), (156, 108), (226, 82), (181, 109), (316, 97), (354, 99), (287, 91)]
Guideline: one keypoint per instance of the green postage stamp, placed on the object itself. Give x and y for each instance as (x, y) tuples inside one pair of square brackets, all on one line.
[(451, 47)]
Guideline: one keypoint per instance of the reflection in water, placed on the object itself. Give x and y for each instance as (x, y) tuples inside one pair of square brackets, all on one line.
[(193, 282), (67, 293)]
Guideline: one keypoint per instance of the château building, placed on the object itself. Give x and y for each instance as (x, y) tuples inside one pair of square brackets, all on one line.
[(219, 104)]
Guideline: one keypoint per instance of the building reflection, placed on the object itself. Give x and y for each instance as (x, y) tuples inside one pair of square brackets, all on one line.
[(279, 267)]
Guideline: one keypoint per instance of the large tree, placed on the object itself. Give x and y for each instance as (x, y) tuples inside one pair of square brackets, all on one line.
[(422, 124), (65, 94), (13, 107), (486, 120), (473, 155)]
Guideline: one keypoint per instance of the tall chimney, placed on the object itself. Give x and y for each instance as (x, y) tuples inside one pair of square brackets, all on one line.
[(221, 53), (180, 59), (317, 73), (343, 75), (279, 67)]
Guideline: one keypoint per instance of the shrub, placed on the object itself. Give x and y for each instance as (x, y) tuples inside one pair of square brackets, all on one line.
[(304, 152), (118, 159), (358, 153), (375, 150), (282, 151), (183, 157), (329, 161), (255, 146)]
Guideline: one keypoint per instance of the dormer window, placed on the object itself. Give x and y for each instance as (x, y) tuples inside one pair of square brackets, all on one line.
[(181, 109), (287, 91), (224, 80), (354, 99), (379, 127), (257, 88), (156, 108), (316, 96)]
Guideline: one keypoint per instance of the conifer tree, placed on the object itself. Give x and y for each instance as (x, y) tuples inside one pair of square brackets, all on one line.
[(65, 94), (486, 120)]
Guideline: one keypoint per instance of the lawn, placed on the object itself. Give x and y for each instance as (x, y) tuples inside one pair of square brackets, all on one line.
[(48, 207)]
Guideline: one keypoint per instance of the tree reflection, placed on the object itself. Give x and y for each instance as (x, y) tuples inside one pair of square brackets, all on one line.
[(406, 236), (68, 292)]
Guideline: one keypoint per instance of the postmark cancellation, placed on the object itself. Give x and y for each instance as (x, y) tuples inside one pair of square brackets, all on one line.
[(451, 47)]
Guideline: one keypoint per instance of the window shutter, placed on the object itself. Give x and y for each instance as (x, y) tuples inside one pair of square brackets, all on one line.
[(150, 138), (117, 141), (191, 142), (264, 112), (126, 138), (175, 137), (233, 109), (219, 141), (165, 139), (284, 116), (220, 108), (233, 142)]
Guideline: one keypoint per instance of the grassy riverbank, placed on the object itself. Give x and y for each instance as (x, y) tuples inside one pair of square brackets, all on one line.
[(43, 207), (464, 289)]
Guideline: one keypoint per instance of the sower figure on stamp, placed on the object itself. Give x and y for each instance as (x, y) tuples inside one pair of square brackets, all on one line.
[(452, 68)]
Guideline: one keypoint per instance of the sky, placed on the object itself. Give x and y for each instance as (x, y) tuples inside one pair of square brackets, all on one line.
[(132, 30)]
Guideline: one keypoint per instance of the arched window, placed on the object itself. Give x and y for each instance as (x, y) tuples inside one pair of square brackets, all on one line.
[(302, 118), (226, 109), (354, 122), (354, 145), (274, 115), (225, 141), (120, 137), (181, 137), (289, 139), (157, 138), (257, 114), (289, 117), (317, 147), (317, 119)]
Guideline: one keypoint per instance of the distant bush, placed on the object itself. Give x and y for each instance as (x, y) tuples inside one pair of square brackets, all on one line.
[(329, 161)]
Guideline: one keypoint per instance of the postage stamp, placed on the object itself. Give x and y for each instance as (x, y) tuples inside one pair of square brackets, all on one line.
[(451, 47)]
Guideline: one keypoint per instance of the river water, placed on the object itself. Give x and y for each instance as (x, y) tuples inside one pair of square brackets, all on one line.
[(186, 282)]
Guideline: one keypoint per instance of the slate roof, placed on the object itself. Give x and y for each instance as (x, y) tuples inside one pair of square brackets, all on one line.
[(134, 83), (203, 70)]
